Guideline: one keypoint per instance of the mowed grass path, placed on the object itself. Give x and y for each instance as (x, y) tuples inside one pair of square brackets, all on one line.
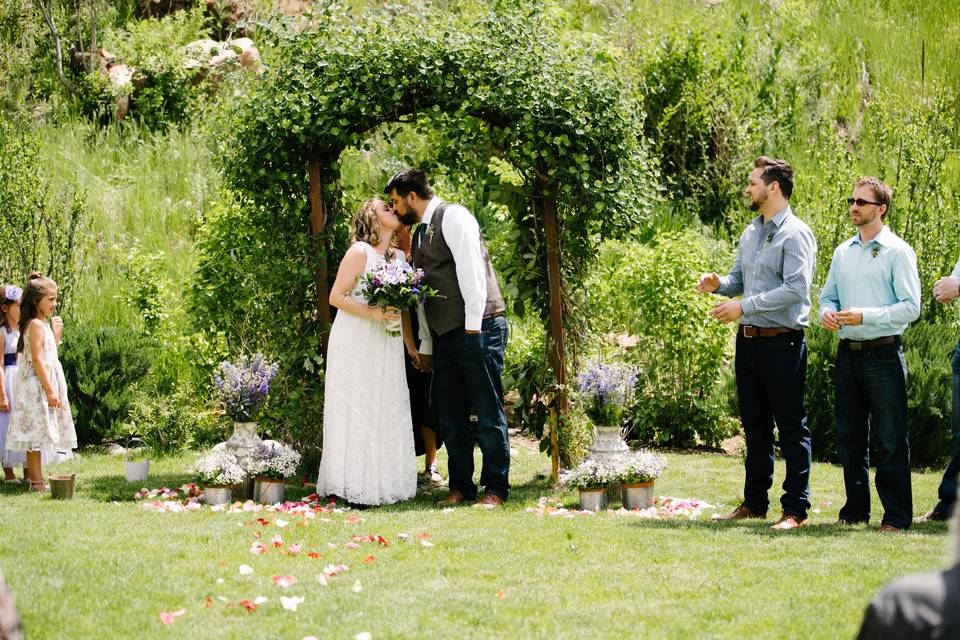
[(100, 567)]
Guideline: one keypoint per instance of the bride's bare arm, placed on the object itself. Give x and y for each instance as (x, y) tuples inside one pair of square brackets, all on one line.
[(408, 337), (350, 270)]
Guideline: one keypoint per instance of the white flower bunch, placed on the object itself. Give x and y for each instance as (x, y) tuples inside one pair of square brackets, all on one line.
[(219, 467), (273, 460), (592, 473), (640, 466)]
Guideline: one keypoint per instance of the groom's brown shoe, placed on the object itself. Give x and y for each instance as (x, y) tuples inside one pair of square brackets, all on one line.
[(453, 497), (740, 513), (489, 501)]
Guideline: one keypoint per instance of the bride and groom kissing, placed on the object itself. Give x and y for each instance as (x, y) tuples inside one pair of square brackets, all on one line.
[(368, 439)]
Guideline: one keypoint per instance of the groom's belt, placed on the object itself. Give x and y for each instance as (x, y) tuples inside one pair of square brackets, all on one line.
[(867, 345), (494, 314)]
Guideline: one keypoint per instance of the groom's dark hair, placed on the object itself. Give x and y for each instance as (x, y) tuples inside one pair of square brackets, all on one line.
[(409, 180)]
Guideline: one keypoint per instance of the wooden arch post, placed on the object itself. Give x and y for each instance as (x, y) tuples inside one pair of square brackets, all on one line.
[(558, 345), (318, 224)]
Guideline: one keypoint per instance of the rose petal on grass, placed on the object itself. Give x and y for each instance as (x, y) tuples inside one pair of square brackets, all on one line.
[(169, 617), (219, 580), (263, 522), (423, 536), (363, 635), (258, 548), (426, 543), (403, 536), (352, 545), (294, 549), (291, 603), (322, 579), (501, 594), (249, 606), (246, 570), (277, 540), (314, 555), (207, 602), (281, 523), (368, 559), (259, 600), (284, 582), (357, 587)]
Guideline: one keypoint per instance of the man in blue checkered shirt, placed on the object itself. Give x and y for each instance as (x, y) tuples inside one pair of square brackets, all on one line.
[(772, 274)]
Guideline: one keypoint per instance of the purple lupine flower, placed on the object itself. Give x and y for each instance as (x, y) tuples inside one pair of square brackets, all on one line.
[(243, 385)]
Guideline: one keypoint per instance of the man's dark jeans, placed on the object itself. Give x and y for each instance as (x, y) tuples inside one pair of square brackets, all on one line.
[(771, 377), (948, 486), (871, 392), (467, 381)]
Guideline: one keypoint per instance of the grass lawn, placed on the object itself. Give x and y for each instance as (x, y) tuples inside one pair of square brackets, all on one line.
[(100, 567)]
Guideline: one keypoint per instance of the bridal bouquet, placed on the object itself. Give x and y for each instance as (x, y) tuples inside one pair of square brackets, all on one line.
[(395, 285)]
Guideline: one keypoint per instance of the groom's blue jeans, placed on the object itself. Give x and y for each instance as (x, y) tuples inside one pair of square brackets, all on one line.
[(467, 381), (948, 486)]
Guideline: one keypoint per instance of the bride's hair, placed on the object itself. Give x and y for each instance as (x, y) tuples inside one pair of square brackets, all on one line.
[(364, 227)]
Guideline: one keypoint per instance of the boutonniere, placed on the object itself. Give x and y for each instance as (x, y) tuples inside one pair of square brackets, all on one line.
[(430, 231), (768, 240), (876, 251)]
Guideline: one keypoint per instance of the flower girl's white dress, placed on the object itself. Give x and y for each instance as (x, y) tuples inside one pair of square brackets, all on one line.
[(34, 426), (368, 456)]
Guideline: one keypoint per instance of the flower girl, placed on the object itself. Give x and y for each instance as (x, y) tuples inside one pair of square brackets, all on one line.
[(10, 317), (41, 413)]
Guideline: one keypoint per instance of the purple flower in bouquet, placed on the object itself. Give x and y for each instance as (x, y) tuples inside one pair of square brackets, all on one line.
[(243, 385), (395, 284), (607, 390)]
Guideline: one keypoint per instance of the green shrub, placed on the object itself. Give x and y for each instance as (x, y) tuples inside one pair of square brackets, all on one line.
[(650, 292), (928, 349), (169, 423), (103, 366)]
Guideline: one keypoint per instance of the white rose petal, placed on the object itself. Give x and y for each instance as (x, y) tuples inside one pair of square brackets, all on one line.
[(291, 603), (357, 587), (246, 570)]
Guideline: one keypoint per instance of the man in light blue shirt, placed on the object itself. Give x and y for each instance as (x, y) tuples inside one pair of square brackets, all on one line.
[(871, 295), (946, 289)]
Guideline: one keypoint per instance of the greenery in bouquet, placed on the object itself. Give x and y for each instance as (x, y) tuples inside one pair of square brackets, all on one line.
[(219, 467), (243, 385), (640, 466), (395, 284), (273, 460), (591, 474), (606, 391)]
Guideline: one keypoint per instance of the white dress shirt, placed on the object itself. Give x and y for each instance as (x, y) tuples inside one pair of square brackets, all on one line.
[(461, 231)]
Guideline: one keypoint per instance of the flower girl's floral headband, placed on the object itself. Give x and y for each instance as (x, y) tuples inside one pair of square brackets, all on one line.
[(12, 294)]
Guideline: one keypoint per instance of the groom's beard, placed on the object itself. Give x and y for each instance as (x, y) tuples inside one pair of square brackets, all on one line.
[(408, 218)]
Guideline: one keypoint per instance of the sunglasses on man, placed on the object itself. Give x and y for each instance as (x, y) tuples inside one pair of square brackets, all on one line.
[(860, 202)]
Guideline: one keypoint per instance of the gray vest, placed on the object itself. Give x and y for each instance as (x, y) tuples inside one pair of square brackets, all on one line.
[(433, 255)]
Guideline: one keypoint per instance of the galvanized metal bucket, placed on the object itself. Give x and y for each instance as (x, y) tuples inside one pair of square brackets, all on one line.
[(638, 495), (62, 486), (135, 471), (269, 490), (593, 499), (217, 494)]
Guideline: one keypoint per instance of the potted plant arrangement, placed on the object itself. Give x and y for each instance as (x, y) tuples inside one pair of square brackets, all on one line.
[(242, 387), (637, 472), (606, 391), (218, 472), (136, 460), (591, 478), (270, 465)]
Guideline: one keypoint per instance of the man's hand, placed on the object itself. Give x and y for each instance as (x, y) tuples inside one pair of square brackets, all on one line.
[(426, 363), (709, 283), (946, 289), (850, 317), (727, 311), (829, 321)]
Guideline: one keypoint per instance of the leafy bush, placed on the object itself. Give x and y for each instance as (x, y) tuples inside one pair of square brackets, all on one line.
[(103, 366), (928, 349), (650, 292), (172, 422)]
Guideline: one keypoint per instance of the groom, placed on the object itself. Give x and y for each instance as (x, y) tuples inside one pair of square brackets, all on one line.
[(464, 331)]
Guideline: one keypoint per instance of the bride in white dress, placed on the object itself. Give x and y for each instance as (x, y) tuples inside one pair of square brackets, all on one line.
[(368, 451)]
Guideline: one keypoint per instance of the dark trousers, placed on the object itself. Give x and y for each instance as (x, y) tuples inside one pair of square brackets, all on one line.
[(948, 486), (871, 392), (771, 376), (467, 381)]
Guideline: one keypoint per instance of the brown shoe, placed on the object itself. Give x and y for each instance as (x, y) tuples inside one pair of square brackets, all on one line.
[(789, 521), (740, 513), (889, 528), (489, 501), (453, 497), (932, 516)]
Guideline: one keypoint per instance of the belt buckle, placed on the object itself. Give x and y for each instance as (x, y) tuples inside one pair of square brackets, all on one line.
[(750, 332), (856, 346)]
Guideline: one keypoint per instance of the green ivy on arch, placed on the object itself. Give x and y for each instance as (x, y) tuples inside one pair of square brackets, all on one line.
[(551, 104)]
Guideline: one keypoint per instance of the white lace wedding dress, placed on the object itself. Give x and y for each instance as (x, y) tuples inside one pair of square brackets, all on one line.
[(368, 455)]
